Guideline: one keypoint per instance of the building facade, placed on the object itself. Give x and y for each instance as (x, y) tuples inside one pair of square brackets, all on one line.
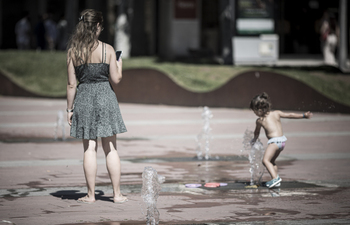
[(231, 31)]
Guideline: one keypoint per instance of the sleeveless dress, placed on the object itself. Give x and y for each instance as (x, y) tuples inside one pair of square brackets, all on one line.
[(96, 109)]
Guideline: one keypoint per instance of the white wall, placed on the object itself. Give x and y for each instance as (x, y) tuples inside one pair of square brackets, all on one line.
[(255, 49)]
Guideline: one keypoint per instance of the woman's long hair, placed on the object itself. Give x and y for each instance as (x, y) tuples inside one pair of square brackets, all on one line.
[(85, 36)]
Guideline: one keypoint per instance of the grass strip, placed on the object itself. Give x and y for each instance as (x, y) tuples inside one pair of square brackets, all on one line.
[(44, 73)]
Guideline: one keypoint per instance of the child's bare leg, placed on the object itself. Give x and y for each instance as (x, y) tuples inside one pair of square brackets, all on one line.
[(270, 156), (274, 159), (109, 145), (90, 169)]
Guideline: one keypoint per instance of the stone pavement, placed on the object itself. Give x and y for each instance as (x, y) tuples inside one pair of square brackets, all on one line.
[(41, 178)]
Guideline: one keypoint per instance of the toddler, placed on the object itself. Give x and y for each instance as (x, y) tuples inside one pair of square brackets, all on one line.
[(271, 122)]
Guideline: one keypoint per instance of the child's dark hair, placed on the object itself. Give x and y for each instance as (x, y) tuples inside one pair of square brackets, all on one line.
[(262, 102)]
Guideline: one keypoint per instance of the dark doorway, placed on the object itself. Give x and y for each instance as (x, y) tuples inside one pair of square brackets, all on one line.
[(210, 26)]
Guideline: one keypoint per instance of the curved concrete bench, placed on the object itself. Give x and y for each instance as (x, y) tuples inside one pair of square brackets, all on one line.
[(149, 86), (10, 88), (154, 87)]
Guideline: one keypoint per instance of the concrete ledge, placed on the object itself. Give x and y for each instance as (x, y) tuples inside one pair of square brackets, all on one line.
[(149, 86), (10, 88)]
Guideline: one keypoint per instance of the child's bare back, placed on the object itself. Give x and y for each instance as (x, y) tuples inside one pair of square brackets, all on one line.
[(271, 123)]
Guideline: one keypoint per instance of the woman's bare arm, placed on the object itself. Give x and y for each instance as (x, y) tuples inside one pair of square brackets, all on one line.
[(115, 67), (71, 87)]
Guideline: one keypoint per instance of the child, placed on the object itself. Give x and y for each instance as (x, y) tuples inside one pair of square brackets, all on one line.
[(271, 122)]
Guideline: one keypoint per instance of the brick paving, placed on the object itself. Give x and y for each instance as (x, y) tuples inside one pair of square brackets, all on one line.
[(41, 178)]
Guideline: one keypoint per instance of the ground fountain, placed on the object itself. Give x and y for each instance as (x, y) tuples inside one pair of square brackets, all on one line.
[(256, 154), (150, 191), (60, 125), (203, 138)]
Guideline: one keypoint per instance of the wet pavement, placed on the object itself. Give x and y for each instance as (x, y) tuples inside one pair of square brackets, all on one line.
[(41, 178)]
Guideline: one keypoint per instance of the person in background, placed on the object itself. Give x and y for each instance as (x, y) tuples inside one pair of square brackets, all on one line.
[(51, 32), (329, 38), (62, 33), (23, 31), (40, 34)]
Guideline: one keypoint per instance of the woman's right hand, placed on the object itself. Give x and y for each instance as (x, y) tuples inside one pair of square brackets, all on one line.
[(120, 65), (115, 69)]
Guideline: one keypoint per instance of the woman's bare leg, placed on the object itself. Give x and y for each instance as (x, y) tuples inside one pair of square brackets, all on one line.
[(109, 145), (90, 169), (270, 156)]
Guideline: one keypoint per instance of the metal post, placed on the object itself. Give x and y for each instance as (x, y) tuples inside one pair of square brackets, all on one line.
[(71, 13), (110, 21), (42, 7), (1, 23), (343, 48)]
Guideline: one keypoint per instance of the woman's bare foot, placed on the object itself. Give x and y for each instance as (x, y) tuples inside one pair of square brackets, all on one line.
[(86, 199), (120, 199)]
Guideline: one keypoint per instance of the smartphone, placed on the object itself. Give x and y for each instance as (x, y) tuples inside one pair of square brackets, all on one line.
[(118, 54)]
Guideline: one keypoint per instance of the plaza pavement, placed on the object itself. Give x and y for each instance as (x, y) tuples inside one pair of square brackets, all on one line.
[(41, 178)]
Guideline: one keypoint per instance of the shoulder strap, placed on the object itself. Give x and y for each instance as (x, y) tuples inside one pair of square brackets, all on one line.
[(102, 52), (105, 52)]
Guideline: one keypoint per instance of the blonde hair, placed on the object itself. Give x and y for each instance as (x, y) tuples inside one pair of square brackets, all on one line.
[(85, 36), (261, 102)]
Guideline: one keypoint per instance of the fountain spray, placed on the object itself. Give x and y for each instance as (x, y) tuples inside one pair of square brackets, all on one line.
[(256, 154), (204, 136), (150, 191), (60, 125)]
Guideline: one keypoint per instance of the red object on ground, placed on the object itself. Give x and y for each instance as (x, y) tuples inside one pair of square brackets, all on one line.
[(212, 185)]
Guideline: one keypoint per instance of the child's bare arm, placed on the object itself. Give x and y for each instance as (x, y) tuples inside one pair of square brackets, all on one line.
[(257, 131), (306, 115)]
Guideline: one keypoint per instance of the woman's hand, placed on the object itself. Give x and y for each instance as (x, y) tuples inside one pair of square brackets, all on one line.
[(69, 118), (120, 62), (119, 69)]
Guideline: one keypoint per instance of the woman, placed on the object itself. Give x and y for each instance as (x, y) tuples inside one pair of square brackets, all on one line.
[(92, 107), (329, 38)]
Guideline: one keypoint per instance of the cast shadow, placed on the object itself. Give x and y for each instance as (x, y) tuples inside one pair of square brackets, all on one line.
[(76, 194)]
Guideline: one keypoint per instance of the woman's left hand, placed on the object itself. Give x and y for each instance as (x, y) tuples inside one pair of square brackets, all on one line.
[(69, 118)]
